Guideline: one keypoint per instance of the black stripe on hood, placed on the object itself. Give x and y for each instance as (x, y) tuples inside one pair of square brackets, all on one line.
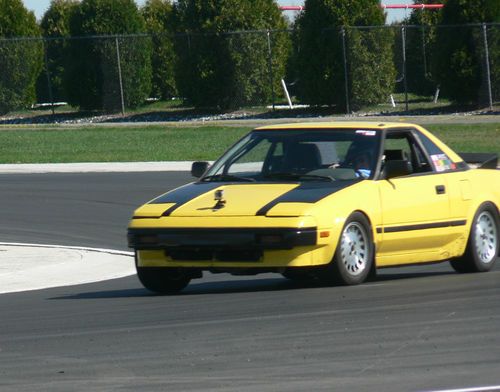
[(308, 192), (185, 193)]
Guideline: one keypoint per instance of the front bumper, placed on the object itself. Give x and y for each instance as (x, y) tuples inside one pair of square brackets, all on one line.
[(234, 238), (224, 243), (215, 246)]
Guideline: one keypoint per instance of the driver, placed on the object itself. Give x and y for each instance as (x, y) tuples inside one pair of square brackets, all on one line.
[(361, 164)]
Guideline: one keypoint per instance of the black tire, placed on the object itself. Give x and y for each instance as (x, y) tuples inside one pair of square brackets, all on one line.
[(353, 259), (482, 248), (163, 280)]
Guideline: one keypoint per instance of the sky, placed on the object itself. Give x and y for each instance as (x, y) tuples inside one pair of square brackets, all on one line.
[(40, 6)]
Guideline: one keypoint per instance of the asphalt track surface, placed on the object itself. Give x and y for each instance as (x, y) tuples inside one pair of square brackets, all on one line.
[(413, 329)]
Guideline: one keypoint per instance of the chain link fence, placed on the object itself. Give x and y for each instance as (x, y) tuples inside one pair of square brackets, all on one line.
[(394, 68), (455, 63), (231, 70)]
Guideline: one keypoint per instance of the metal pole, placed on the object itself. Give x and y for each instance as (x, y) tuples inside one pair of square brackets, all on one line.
[(424, 54), (487, 63), (120, 75), (283, 84), (47, 74), (270, 59), (405, 83), (346, 84)]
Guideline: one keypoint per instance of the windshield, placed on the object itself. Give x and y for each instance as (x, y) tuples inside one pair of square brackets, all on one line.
[(299, 155)]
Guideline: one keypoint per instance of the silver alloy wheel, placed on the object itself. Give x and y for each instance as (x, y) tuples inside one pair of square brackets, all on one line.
[(486, 237), (354, 248)]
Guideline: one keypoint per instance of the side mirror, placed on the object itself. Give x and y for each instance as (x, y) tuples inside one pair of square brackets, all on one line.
[(199, 168), (396, 168)]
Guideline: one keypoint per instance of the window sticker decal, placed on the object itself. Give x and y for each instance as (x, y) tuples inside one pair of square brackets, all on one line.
[(366, 132), (442, 162)]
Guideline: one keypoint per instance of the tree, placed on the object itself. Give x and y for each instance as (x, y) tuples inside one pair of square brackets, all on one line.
[(420, 34), (322, 29), (55, 24), (105, 45), (227, 57), (21, 59), (158, 15), (460, 53)]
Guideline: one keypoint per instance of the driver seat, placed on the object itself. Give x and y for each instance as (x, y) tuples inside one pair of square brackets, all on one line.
[(302, 158)]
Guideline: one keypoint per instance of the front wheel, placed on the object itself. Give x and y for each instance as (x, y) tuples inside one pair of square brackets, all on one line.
[(482, 246), (353, 259), (163, 280)]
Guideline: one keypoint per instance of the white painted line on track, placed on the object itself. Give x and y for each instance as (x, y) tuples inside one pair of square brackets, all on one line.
[(25, 267), (473, 389), (100, 250)]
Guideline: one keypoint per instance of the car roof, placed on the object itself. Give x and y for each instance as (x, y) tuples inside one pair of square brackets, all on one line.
[(337, 125)]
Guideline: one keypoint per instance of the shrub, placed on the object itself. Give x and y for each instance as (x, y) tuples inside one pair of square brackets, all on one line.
[(219, 67), (420, 48), (460, 54), (159, 23), (107, 30), (55, 24), (371, 72), (21, 59)]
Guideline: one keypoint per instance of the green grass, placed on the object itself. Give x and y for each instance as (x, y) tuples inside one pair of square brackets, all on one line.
[(479, 137), (160, 143), (115, 144)]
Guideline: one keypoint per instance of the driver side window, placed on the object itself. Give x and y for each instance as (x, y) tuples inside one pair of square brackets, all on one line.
[(401, 149)]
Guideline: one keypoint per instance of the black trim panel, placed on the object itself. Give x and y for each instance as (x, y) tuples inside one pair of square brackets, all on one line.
[(308, 192), (425, 226), (222, 238)]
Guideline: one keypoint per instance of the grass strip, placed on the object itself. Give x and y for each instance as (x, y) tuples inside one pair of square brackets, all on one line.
[(479, 137), (160, 143), (120, 144)]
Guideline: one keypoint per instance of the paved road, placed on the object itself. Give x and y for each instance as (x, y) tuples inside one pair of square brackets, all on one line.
[(89, 209), (414, 329)]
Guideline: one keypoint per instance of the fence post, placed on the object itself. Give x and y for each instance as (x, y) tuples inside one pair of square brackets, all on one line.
[(120, 74), (270, 60), (346, 84), (424, 51), (487, 63), (405, 82), (47, 74)]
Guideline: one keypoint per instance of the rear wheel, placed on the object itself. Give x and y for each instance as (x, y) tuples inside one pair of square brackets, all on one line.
[(482, 246), (353, 259), (163, 280)]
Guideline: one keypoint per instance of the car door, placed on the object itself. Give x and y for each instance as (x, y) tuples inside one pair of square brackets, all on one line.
[(415, 204)]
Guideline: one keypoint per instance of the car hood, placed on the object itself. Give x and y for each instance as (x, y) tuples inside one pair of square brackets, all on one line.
[(239, 199)]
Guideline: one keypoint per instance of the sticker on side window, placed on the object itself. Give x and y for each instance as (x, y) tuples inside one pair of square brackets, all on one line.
[(442, 162), (366, 132)]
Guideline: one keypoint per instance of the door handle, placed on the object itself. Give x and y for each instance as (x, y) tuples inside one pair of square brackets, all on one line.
[(440, 189)]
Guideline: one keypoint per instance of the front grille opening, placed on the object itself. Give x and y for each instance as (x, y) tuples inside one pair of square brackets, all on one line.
[(213, 254), (186, 254)]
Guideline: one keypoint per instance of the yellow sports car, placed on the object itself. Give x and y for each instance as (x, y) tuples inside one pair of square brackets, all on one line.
[(327, 201)]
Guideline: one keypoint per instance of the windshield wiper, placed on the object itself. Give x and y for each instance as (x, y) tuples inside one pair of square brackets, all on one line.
[(226, 177), (298, 176)]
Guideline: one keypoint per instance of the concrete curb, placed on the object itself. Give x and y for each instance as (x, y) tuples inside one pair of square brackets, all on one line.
[(25, 267), (93, 167)]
